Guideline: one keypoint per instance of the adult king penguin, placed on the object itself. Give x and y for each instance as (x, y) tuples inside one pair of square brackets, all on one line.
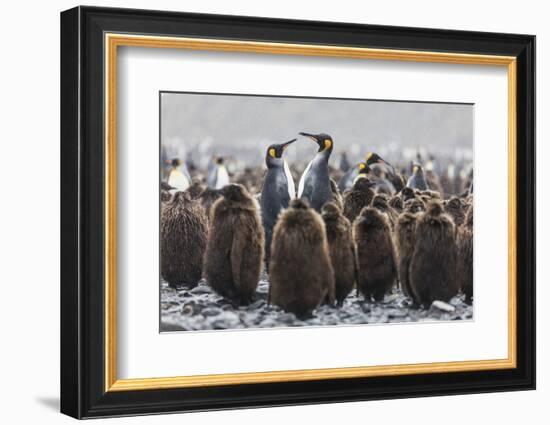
[(218, 176), (315, 181), (417, 180), (394, 178), (277, 191), (178, 177)]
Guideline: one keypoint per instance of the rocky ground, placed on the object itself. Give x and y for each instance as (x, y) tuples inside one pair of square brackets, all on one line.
[(202, 309)]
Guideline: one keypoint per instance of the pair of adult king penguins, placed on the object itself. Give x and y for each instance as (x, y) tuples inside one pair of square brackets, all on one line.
[(279, 189), (315, 185)]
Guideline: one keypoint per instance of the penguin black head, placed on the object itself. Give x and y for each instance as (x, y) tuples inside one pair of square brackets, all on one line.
[(219, 160), (417, 169), (176, 162), (276, 151), (362, 184), (374, 158), (363, 168), (323, 140)]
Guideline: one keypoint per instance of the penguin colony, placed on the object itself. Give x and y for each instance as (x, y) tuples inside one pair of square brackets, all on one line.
[(365, 227)]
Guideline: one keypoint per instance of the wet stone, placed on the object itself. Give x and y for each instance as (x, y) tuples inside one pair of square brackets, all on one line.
[(443, 306), (225, 320), (190, 309), (202, 289), (211, 311), (268, 323), (331, 320), (287, 318), (365, 308), (397, 313)]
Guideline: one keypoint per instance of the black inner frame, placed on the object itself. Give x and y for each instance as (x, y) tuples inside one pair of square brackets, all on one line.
[(82, 212)]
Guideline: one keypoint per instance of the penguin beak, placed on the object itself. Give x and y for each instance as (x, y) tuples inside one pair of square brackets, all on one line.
[(287, 144), (311, 136)]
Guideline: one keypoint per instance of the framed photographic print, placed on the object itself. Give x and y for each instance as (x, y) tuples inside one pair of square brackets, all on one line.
[(261, 212)]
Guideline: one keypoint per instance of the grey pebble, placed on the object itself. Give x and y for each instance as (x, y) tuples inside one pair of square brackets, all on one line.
[(287, 317), (211, 311), (201, 289), (268, 323)]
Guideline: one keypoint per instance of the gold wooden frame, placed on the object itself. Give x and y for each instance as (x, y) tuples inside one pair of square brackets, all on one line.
[(113, 41)]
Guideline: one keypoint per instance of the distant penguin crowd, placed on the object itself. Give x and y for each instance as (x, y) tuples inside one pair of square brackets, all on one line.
[(367, 227)]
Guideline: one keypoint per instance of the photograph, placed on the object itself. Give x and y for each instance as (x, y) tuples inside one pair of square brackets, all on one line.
[(282, 211)]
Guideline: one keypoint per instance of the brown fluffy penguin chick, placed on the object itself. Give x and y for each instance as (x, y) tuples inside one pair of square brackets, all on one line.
[(432, 272), (455, 209), (234, 252), (405, 229), (300, 271), (380, 202), (341, 251), (358, 197), (183, 234), (465, 256), (376, 270)]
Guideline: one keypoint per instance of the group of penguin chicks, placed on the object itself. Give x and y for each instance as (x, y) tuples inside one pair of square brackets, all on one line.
[(320, 242)]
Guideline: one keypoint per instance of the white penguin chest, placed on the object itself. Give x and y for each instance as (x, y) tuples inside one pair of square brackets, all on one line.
[(222, 177), (289, 181), (303, 179), (178, 180)]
